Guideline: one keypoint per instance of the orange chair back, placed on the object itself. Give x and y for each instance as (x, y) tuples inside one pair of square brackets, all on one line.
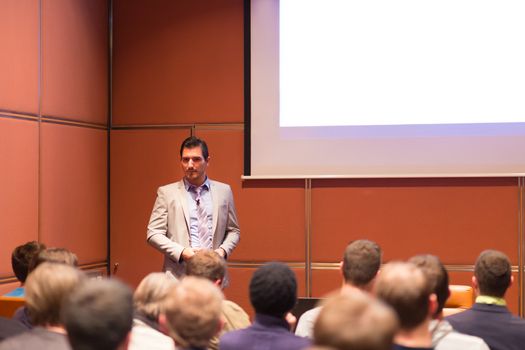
[(8, 305), (461, 298)]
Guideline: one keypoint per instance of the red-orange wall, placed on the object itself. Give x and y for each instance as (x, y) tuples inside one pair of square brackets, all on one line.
[(53, 133)]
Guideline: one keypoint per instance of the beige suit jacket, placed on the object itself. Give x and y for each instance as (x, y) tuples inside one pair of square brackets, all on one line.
[(168, 228)]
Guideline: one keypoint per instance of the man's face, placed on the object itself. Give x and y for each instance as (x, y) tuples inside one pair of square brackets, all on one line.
[(194, 165)]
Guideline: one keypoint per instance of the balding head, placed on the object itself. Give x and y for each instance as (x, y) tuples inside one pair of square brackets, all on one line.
[(404, 287)]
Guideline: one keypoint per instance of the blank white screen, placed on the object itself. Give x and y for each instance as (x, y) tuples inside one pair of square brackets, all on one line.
[(374, 87)]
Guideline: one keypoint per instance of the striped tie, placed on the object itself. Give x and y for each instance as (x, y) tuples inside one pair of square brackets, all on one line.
[(205, 239)]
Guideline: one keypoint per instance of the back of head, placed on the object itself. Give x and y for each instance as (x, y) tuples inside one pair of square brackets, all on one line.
[(206, 264), (22, 256), (354, 320), (361, 261), (54, 255), (437, 277), (193, 311), (151, 294), (273, 289), (493, 272), (404, 287), (98, 315), (46, 289)]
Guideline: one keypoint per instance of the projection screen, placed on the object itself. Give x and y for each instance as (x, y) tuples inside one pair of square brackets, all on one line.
[(387, 88)]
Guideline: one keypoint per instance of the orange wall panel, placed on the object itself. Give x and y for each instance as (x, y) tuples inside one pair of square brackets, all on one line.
[(74, 190), (325, 281), (141, 161), (19, 187), (19, 59), (272, 216), (239, 289), (454, 219), (178, 62), (75, 59)]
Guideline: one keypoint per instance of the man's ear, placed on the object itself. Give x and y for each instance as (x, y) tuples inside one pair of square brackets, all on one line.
[(163, 324), (475, 285), (511, 281), (432, 305)]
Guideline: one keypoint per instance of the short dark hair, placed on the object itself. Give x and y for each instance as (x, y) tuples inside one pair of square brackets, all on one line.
[(98, 315), (493, 273), (404, 287), (437, 277), (54, 255), (361, 261), (273, 289), (22, 256), (192, 142), (207, 264)]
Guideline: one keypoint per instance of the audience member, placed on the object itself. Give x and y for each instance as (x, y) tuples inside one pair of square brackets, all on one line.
[(148, 299), (354, 320), (361, 262), (489, 317), (50, 255), (405, 288), (46, 289), (98, 316), (444, 337), (192, 313), (20, 261), (273, 293), (211, 266)]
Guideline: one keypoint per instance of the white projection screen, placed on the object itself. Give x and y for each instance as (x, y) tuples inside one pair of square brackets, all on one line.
[(387, 88)]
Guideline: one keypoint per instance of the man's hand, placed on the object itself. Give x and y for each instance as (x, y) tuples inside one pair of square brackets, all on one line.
[(221, 252), (187, 253)]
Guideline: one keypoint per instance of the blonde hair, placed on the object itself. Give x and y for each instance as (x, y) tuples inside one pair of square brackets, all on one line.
[(151, 293), (46, 289), (193, 310), (354, 320)]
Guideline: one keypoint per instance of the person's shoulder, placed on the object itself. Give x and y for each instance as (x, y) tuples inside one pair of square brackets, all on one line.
[(233, 339), (456, 340), (171, 187), (230, 305)]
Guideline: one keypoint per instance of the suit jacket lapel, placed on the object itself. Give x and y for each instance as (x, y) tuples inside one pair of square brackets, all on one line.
[(183, 198), (215, 200)]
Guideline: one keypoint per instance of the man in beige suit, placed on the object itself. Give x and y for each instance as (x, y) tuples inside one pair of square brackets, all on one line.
[(194, 213)]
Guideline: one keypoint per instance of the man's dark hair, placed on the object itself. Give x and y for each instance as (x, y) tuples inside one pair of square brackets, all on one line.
[(405, 288), (206, 264), (493, 273), (192, 142), (98, 315), (361, 261), (437, 277), (22, 256), (273, 289)]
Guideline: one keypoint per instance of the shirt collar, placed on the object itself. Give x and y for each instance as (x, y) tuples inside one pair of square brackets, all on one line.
[(188, 186), (487, 299)]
